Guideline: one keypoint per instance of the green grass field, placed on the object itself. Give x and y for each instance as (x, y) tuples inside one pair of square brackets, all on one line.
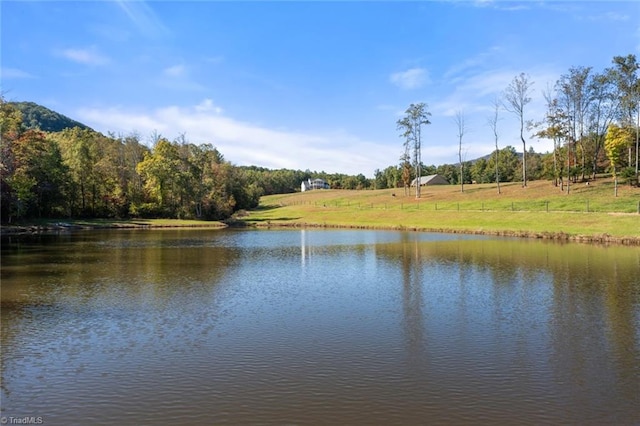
[(588, 213)]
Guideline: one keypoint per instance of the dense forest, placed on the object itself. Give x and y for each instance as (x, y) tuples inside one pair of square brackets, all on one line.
[(74, 171), (53, 166)]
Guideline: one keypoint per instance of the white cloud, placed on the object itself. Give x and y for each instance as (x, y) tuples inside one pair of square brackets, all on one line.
[(207, 105), (89, 56), (6, 73), (413, 78), (246, 143)]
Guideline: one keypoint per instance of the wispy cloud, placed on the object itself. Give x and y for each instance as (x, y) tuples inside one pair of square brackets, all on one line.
[(143, 17), (606, 17), (86, 56), (175, 71), (479, 61), (14, 73), (246, 143), (500, 5), (177, 77), (413, 78)]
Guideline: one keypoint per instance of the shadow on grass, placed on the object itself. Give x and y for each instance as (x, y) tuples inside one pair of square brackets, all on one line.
[(273, 219), (266, 207), (245, 223)]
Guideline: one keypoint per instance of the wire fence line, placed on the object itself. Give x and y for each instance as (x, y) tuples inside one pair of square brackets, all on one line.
[(587, 206)]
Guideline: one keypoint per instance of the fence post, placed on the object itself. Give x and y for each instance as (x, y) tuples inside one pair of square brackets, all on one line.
[(547, 203), (512, 206), (587, 206)]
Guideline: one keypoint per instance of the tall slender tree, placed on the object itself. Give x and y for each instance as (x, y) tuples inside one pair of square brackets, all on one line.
[(460, 124), (574, 99), (493, 123), (411, 127), (554, 127), (516, 98)]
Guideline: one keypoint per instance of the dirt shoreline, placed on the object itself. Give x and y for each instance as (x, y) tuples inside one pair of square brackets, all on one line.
[(65, 227)]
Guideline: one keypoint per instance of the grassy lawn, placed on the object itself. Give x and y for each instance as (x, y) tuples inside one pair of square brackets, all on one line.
[(588, 212)]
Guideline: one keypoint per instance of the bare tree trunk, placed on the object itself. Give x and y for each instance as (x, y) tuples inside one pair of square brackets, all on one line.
[(582, 160), (568, 172), (459, 119), (637, 142), (555, 163), (497, 169), (524, 162)]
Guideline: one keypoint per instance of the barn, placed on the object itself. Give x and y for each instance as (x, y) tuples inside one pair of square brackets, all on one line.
[(431, 180)]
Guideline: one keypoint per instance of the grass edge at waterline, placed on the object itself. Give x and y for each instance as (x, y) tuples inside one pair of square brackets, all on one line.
[(588, 214)]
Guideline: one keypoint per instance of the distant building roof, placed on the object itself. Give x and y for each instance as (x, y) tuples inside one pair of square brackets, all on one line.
[(431, 180)]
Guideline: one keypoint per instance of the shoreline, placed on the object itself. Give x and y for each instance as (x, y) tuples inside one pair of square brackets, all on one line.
[(551, 236), (68, 227), (15, 230)]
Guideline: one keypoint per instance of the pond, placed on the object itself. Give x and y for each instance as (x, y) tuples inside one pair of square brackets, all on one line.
[(195, 326)]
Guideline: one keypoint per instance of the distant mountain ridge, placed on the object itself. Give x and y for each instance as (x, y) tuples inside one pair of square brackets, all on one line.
[(488, 157), (35, 116)]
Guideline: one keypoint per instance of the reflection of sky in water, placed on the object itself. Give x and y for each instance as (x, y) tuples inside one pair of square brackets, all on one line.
[(310, 326)]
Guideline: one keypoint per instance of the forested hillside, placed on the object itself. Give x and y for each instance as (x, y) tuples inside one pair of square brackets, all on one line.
[(38, 117), (78, 172)]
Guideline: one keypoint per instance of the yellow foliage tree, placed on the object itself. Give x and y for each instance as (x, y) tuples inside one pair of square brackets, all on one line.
[(615, 144)]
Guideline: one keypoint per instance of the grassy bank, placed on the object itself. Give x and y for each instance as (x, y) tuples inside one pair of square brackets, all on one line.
[(76, 224), (588, 213)]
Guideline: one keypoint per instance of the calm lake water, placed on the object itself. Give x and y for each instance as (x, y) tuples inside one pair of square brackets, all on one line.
[(317, 327)]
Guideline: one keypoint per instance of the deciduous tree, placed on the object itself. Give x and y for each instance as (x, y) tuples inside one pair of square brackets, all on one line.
[(411, 127), (625, 76), (460, 125), (615, 144), (516, 98)]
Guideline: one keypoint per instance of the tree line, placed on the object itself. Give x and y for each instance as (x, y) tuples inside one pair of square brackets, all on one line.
[(593, 119), (78, 172)]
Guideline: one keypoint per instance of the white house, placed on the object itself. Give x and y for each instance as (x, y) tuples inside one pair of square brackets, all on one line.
[(308, 185)]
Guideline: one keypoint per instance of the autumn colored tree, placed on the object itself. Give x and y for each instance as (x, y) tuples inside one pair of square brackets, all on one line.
[(616, 142), (39, 176), (410, 127)]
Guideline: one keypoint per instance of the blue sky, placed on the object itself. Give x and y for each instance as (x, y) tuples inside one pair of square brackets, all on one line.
[(303, 85)]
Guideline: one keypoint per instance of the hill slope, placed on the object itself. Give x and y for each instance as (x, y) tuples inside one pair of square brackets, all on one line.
[(36, 116)]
